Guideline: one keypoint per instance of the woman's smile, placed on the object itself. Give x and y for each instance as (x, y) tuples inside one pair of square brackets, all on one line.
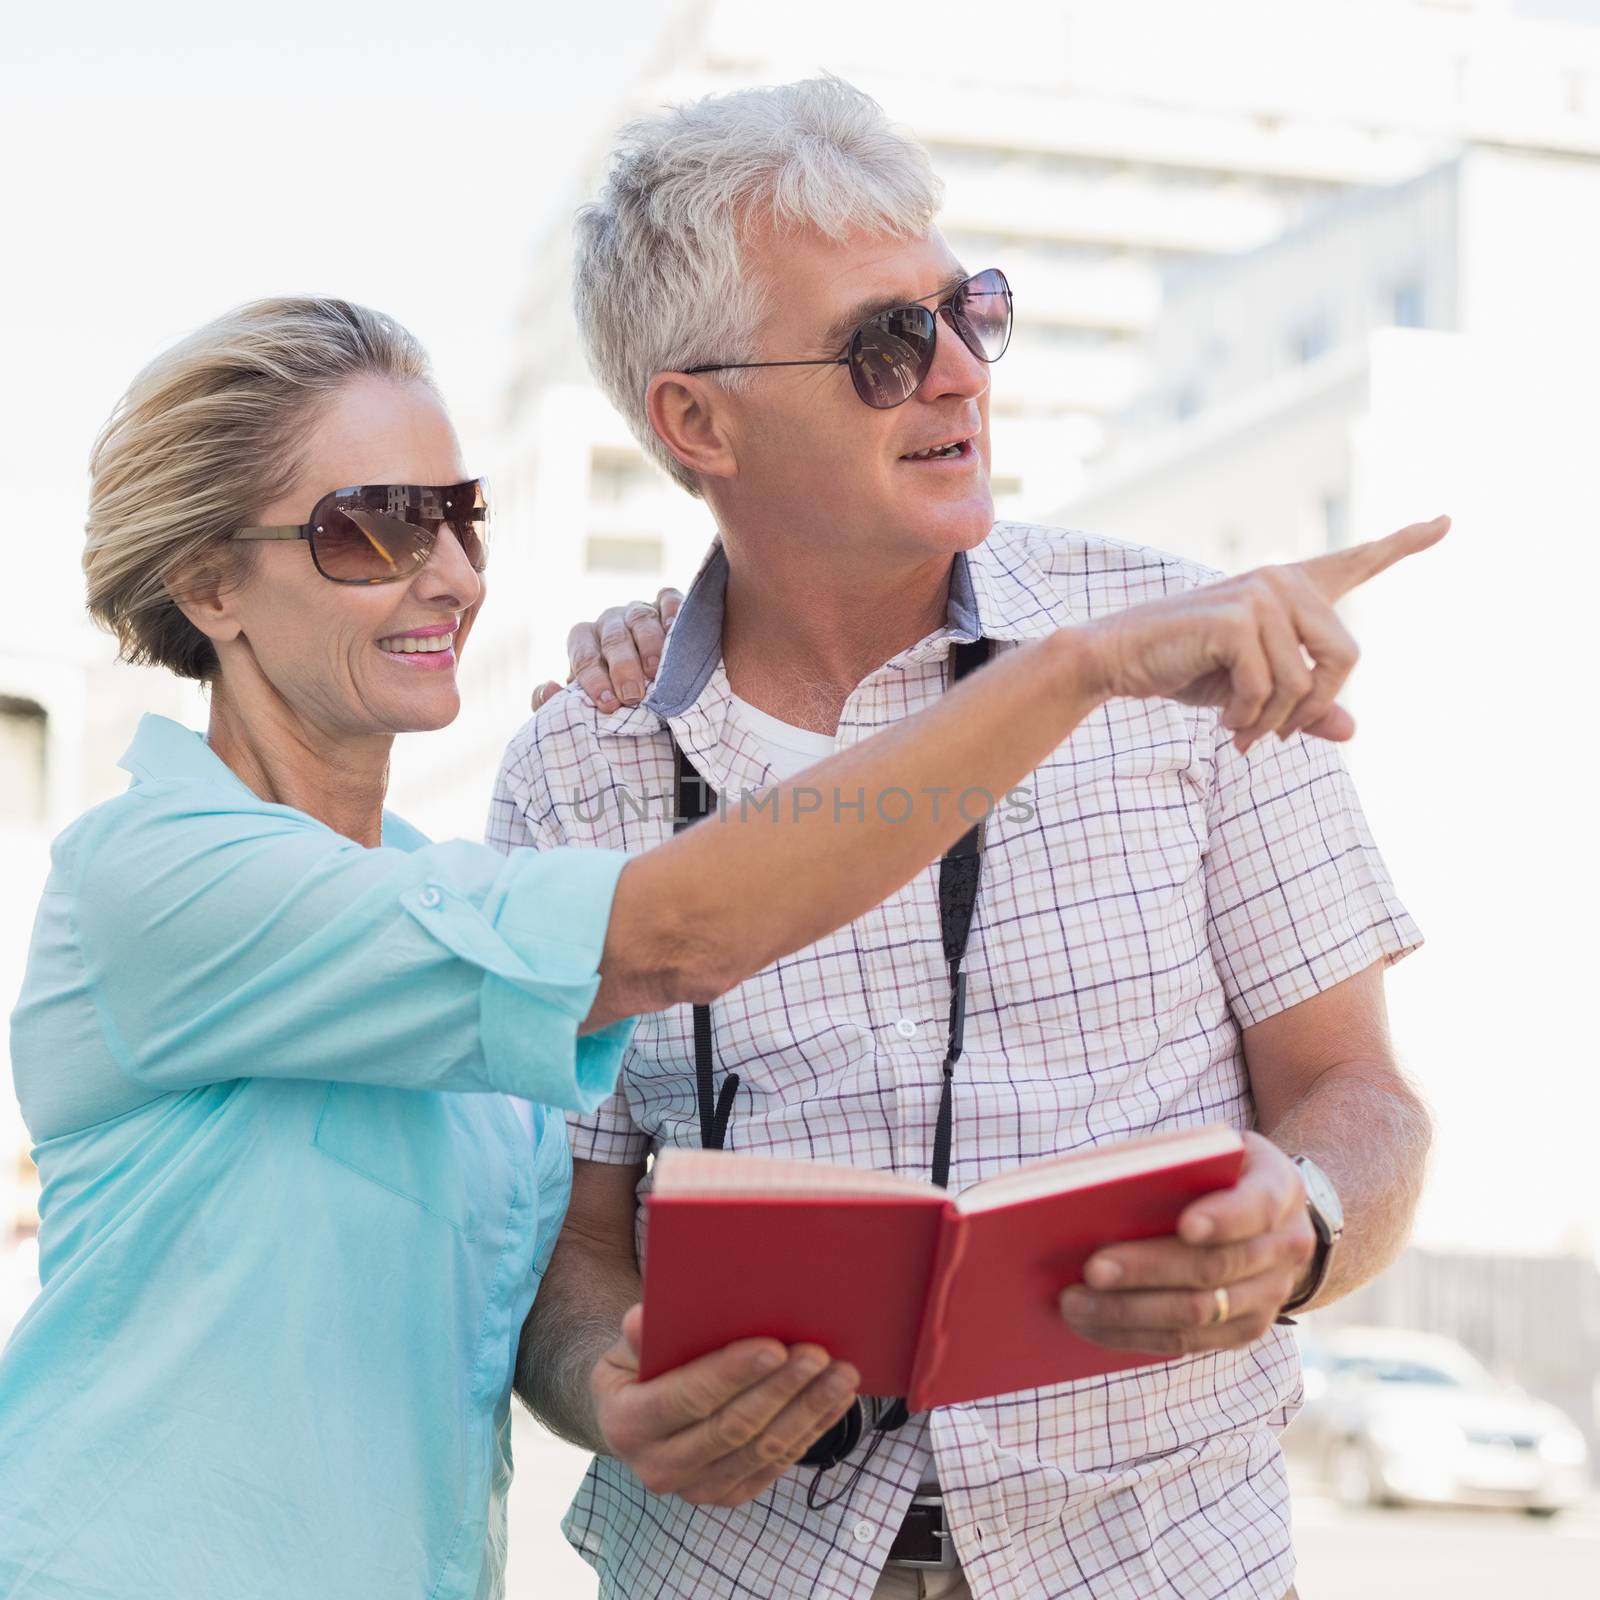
[(430, 649)]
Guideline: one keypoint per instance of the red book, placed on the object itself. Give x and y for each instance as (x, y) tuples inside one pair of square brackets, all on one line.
[(933, 1296)]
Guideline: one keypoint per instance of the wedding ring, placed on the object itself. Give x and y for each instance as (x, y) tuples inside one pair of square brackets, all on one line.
[(1221, 1297)]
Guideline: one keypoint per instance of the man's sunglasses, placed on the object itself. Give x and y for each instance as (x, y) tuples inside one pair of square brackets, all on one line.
[(891, 353), (386, 531)]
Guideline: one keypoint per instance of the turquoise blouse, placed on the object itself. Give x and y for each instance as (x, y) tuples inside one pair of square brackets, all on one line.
[(290, 1223)]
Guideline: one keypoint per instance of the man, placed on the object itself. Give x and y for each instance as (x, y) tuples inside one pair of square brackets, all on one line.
[(1171, 928)]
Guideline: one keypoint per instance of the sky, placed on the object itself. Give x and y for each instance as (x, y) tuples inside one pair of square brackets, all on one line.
[(169, 160)]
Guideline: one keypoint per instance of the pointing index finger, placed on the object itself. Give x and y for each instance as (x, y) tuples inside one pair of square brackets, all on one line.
[(1340, 571)]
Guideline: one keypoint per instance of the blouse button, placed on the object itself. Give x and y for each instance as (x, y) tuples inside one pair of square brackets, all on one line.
[(430, 899), (906, 1028)]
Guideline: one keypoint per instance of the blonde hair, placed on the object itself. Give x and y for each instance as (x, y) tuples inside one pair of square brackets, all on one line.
[(207, 434), (660, 283)]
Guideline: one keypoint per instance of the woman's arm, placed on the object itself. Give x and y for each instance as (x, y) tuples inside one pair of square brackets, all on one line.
[(223, 942), (702, 912), (713, 905), (241, 942)]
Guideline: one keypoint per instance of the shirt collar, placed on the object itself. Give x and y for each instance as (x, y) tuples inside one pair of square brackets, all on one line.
[(997, 591), (695, 644), (164, 751)]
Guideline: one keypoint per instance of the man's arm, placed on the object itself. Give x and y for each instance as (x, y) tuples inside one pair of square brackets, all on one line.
[(1327, 1086), (614, 658), (592, 1279), (718, 1431)]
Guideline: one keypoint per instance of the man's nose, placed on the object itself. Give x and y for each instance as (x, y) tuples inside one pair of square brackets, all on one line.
[(955, 370)]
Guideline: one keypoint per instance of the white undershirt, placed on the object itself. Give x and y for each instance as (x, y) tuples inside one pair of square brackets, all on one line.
[(785, 748)]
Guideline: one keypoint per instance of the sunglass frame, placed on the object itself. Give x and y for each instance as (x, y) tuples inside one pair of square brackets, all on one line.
[(930, 317), (426, 538)]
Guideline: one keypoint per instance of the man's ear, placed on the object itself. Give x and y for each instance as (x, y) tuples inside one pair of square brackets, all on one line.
[(198, 590), (689, 418)]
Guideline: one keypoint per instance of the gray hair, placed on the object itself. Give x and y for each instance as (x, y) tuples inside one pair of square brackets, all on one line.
[(660, 281), (209, 433)]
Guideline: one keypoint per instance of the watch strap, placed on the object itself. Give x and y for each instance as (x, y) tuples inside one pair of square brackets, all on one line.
[(1319, 1276), (1320, 1258)]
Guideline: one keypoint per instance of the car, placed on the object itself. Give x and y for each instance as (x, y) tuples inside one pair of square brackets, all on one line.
[(1394, 1417)]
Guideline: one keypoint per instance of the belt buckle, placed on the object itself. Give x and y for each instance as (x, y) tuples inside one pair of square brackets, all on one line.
[(923, 1543)]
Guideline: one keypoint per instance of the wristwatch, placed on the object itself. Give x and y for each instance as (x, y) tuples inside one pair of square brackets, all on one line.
[(1327, 1218)]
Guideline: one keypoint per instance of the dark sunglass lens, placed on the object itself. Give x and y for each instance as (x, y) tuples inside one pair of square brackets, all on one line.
[(474, 546), (355, 542), (981, 314), (467, 512), (890, 355)]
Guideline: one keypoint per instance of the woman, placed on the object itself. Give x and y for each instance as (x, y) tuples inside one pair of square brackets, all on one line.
[(272, 1042)]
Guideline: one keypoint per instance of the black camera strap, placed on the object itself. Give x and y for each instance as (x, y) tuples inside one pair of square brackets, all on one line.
[(693, 801), (960, 869)]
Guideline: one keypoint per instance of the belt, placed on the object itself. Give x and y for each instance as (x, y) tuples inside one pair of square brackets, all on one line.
[(923, 1542)]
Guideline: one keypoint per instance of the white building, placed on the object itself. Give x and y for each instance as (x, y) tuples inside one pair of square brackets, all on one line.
[(1432, 348), (1093, 151), (1090, 150)]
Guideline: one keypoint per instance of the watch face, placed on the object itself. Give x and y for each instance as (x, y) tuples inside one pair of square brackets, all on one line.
[(1323, 1196)]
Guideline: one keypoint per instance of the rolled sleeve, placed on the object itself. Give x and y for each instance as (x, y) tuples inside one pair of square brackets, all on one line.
[(1298, 898), (225, 945), (608, 1133), (555, 910), (522, 819)]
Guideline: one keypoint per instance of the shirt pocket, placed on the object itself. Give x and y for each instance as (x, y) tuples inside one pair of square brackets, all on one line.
[(415, 1143), (1093, 896)]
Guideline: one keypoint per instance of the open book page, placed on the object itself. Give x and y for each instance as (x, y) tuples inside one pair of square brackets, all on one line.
[(679, 1173), (1089, 1167)]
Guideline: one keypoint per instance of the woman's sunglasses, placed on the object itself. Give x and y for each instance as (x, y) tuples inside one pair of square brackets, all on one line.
[(386, 531), (891, 353)]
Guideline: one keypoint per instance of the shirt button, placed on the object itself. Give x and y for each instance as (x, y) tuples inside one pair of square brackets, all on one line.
[(430, 898), (906, 1028), (864, 1532)]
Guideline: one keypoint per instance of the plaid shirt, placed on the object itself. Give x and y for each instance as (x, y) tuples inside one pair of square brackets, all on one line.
[(1155, 894)]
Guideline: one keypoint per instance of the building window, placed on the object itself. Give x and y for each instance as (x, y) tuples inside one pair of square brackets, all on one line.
[(610, 553), (616, 476), (1335, 520), (23, 726), (1310, 339), (1408, 304)]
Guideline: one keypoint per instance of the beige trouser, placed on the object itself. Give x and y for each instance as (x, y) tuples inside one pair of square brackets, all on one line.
[(907, 1583)]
